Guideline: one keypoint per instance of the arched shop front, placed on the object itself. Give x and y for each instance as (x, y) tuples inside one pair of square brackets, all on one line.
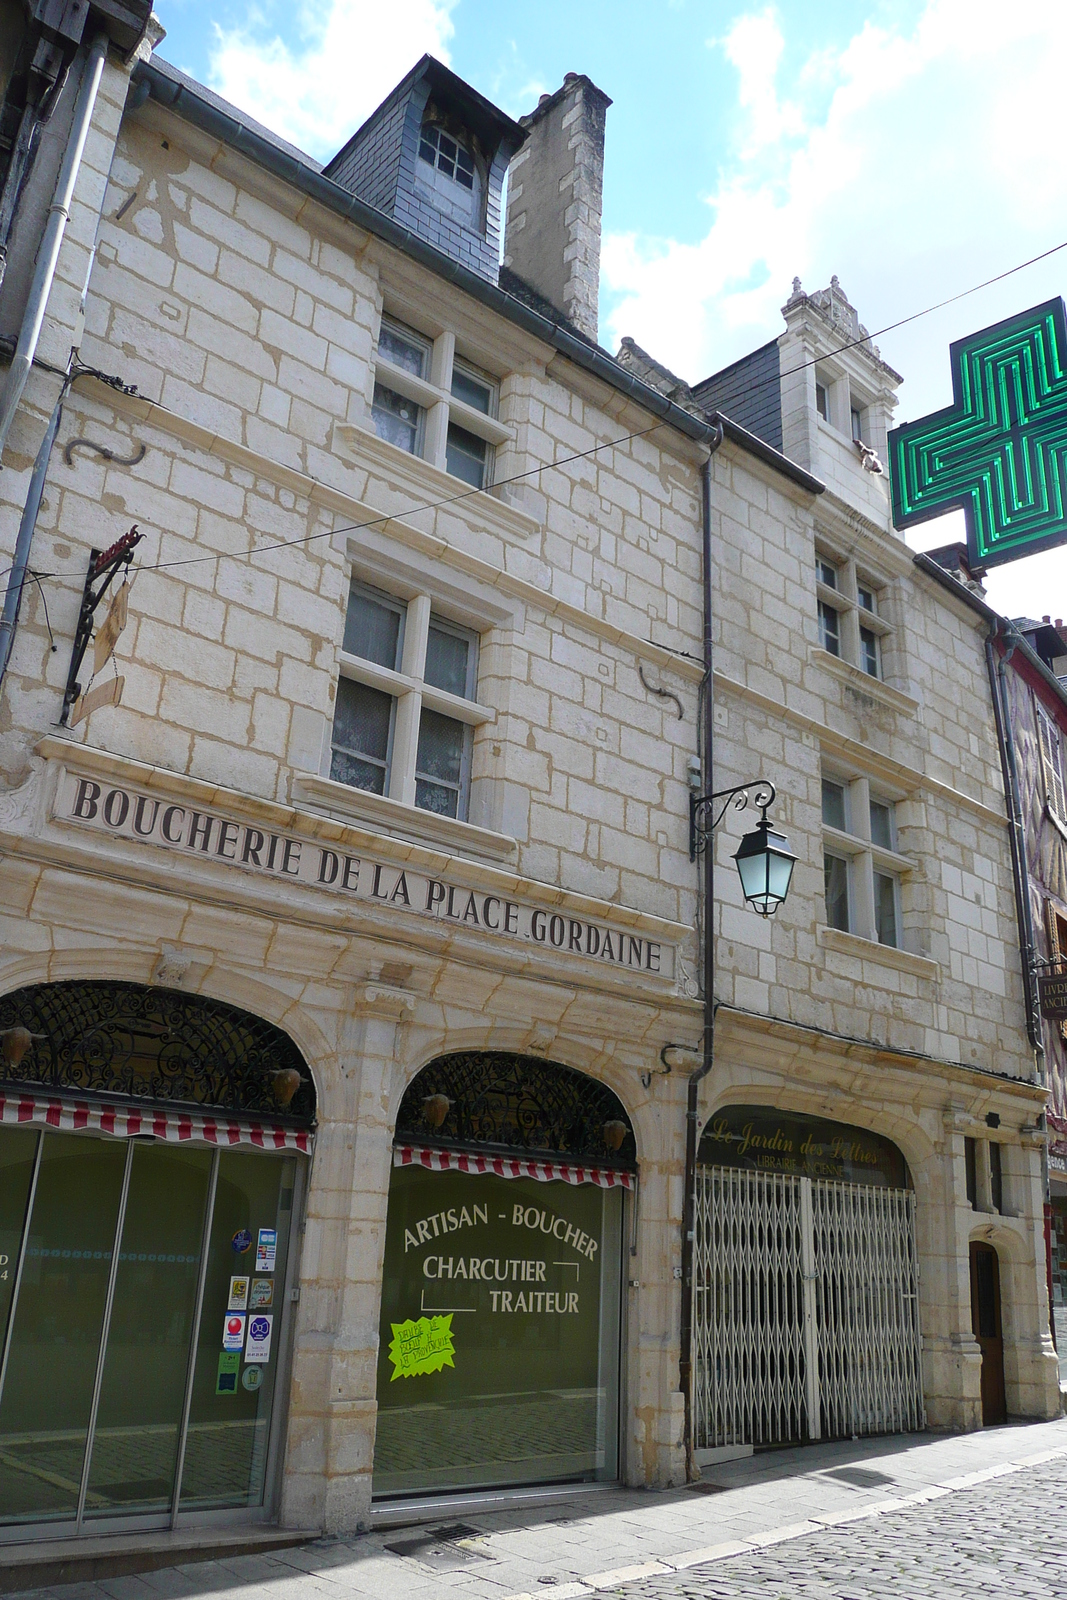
[(151, 1160), (805, 1292), (501, 1297)]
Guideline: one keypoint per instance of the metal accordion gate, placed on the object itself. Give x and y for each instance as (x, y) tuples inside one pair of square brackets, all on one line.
[(806, 1310)]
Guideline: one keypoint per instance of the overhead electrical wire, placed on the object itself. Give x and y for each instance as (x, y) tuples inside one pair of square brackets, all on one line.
[(577, 455)]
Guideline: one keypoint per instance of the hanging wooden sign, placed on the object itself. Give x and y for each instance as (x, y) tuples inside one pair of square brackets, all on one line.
[(107, 635), (105, 694), (1052, 995)]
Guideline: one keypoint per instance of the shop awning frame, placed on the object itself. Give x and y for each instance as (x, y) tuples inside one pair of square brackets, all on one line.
[(440, 1160), (131, 1122)]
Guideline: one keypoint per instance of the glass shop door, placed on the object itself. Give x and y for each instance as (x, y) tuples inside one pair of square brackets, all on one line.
[(142, 1311)]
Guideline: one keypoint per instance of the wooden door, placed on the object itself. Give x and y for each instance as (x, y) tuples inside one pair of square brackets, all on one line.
[(986, 1324)]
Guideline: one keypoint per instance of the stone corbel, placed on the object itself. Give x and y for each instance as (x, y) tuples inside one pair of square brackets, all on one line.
[(382, 1000)]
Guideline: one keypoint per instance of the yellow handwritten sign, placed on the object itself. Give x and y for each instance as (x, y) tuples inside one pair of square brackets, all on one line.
[(422, 1347)]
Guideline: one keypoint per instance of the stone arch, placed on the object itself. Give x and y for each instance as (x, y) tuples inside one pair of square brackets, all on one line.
[(113, 1038), (510, 1103)]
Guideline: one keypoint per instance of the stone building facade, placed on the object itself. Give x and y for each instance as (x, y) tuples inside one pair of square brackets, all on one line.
[(396, 787)]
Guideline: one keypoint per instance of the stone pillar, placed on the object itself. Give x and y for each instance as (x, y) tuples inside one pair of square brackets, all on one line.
[(334, 1406)]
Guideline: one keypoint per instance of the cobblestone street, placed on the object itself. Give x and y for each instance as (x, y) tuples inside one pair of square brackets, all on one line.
[(899, 1518), (1004, 1537)]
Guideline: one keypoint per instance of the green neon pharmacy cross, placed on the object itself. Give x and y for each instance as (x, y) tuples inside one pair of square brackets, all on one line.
[(999, 452)]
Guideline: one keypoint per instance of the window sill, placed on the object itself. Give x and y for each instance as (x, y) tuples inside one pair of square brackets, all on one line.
[(850, 944), (421, 482), (863, 683), (422, 827)]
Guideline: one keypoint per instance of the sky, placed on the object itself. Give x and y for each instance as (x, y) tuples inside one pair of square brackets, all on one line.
[(913, 148)]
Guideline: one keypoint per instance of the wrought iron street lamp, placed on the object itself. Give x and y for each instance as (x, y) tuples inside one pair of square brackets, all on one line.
[(764, 860)]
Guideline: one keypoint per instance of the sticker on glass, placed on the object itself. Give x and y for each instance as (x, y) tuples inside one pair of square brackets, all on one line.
[(266, 1249), (226, 1377), (241, 1241), (262, 1294), (419, 1348), (257, 1344), (252, 1377), (233, 1331), (238, 1300)]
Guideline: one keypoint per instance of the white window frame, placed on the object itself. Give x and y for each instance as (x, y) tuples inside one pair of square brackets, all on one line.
[(1050, 745), (865, 858), (843, 596), (406, 685), (432, 393)]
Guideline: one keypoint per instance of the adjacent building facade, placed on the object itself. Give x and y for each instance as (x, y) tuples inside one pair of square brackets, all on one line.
[(351, 940)]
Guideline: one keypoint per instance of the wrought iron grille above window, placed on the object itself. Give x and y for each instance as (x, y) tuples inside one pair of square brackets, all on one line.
[(496, 1101), (124, 1039)]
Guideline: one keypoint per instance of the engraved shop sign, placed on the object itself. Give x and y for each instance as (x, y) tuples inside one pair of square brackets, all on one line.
[(761, 1139), (127, 814)]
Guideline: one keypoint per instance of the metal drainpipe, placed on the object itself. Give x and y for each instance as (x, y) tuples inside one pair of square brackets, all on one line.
[(685, 1360), (52, 238), (16, 581)]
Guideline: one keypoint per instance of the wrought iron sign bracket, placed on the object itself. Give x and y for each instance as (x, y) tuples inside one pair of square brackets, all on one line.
[(103, 567), (703, 818)]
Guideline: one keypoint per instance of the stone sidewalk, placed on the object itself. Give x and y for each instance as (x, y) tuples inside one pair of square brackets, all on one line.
[(607, 1539)]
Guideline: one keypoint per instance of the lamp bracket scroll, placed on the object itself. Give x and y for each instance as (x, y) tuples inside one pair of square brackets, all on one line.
[(704, 818)]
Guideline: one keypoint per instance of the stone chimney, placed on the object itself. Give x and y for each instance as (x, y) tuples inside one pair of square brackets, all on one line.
[(555, 185)]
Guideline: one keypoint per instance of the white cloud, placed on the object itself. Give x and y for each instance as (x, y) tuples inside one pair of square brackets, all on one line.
[(913, 162), (932, 161), (348, 55)]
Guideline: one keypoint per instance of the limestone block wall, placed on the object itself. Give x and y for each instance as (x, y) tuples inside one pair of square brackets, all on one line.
[(251, 332)]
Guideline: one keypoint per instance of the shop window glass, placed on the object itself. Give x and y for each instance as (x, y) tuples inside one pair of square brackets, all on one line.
[(447, 155), (373, 628), (362, 724), (869, 652), (996, 1176), (449, 657), (232, 1403), (466, 456), (970, 1167), (55, 1337), (882, 824), (835, 885), (499, 1342), (397, 419), (834, 808), (472, 390), (885, 908), (439, 764), (404, 348), (142, 1394)]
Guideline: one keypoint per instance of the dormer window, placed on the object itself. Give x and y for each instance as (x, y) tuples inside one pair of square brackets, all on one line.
[(446, 155)]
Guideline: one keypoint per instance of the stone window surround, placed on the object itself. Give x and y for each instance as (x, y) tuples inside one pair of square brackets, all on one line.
[(844, 599), (984, 1201), (373, 559), (411, 693), (437, 401), (864, 857), (844, 394)]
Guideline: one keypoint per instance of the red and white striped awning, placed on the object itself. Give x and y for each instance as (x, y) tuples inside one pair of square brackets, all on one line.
[(125, 1122), (506, 1167)]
